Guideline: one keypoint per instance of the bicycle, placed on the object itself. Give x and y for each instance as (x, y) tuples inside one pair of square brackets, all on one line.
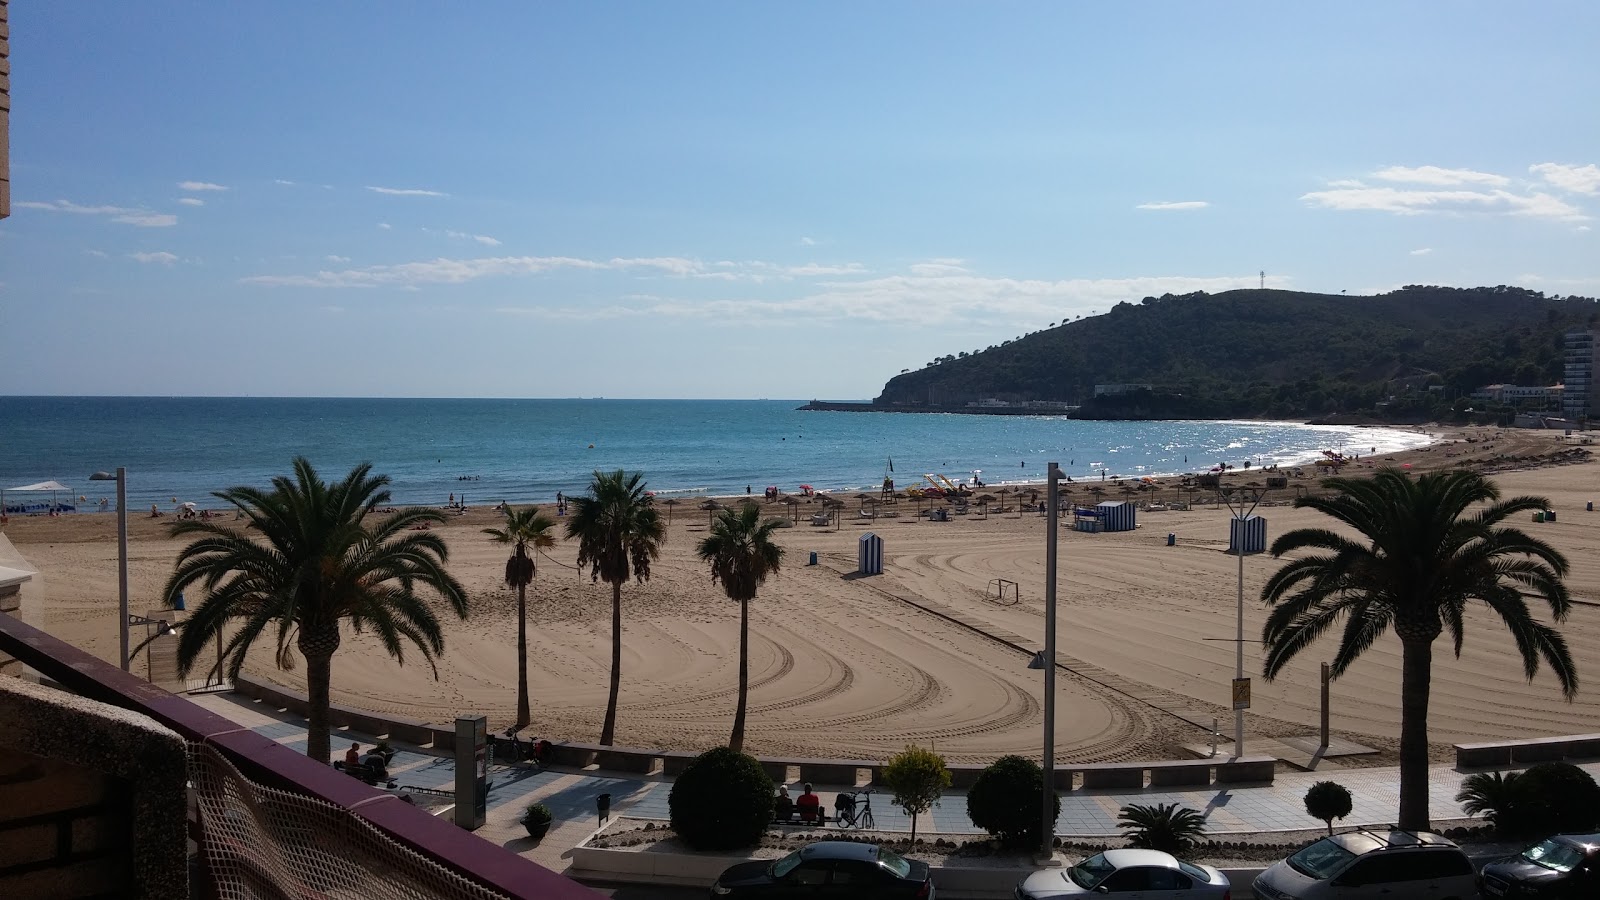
[(854, 810)]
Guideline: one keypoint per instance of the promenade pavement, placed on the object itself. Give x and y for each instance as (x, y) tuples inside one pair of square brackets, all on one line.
[(571, 795)]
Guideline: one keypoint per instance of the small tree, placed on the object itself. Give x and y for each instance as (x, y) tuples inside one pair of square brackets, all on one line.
[(1492, 795), (1555, 797), (1163, 827), (1005, 801), (722, 801), (918, 778), (1327, 801)]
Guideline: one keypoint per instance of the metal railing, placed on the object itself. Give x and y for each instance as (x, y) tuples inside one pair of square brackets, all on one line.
[(265, 762)]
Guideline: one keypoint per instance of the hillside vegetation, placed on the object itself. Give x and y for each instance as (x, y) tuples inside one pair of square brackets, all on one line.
[(1272, 354)]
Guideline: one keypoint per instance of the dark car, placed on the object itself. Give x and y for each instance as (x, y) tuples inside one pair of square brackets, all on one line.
[(1564, 867), (827, 870)]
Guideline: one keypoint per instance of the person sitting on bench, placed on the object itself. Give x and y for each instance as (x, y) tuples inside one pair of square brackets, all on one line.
[(784, 810), (377, 766), (810, 805), (352, 757)]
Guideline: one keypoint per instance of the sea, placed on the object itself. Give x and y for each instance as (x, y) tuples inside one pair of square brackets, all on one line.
[(180, 449)]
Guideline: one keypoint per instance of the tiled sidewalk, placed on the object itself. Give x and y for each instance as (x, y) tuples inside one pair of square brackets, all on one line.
[(571, 795)]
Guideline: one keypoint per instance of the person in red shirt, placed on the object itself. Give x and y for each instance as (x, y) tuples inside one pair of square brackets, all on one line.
[(352, 756), (808, 804)]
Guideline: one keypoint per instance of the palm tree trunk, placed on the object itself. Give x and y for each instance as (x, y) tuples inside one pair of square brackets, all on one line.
[(523, 715), (736, 742), (1416, 675), (608, 731), (317, 646)]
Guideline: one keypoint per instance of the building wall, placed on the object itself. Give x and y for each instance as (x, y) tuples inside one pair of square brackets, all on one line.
[(5, 112), (1579, 401), (64, 828)]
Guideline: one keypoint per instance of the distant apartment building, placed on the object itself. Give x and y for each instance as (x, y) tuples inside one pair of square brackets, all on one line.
[(1580, 401), (1102, 389), (1522, 396)]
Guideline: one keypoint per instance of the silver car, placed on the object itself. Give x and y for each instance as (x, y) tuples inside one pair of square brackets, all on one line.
[(1372, 865), (1145, 874)]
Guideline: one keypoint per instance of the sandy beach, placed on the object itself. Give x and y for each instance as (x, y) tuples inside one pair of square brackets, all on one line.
[(858, 667)]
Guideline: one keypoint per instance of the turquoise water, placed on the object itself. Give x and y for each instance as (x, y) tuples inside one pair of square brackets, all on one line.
[(527, 450)]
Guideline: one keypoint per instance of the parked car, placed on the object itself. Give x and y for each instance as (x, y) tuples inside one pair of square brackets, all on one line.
[(1368, 865), (1147, 874), (1564, 867), (842, 869)]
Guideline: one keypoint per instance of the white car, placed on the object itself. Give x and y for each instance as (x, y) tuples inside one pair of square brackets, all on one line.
[(1372, 865), (1142, 874)]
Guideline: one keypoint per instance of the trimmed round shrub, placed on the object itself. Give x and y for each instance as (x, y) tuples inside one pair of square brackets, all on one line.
[(1006, 801), (1328, 800), (722, 801), (1550, 798)]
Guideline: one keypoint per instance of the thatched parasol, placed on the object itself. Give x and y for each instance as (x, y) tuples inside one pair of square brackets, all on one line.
[(794, 507), (984, 500), (711, 507), (670, 502)]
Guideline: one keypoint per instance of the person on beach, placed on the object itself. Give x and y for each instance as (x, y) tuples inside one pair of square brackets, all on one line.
[(785, 805), (352, 757)]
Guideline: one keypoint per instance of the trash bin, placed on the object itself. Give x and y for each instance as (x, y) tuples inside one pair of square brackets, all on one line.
[(1549, 515), (1538, 517), (1172, 539), (1589, 507), (813, 558), (602, 804)]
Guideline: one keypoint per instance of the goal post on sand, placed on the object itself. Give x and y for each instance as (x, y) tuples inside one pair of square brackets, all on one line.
[(1002, 591)]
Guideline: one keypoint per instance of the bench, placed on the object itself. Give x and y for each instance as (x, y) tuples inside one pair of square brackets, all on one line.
[(1179, 773), (1490, 754), (835, 771), (1247, 770), (794, 818), (1112, 775)]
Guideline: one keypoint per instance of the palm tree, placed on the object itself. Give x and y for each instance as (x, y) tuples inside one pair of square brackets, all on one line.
[(742, 555), (317, 562), (1424, 554), (526, 527), (618, 532)]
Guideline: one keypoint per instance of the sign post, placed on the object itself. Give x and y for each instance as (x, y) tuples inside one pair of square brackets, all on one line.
[(472, 771), (1241, 693)]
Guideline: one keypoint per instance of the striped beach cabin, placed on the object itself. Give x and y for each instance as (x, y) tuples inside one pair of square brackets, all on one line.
[(1249, 533), (1116, 515), (869, 553)]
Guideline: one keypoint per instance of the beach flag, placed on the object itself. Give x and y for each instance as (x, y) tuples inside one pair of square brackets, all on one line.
[(891, 464)]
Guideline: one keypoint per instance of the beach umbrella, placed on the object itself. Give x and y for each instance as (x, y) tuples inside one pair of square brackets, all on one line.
[(794, 507), (864, 498), (711, 507), (670, 502), (984, 500)]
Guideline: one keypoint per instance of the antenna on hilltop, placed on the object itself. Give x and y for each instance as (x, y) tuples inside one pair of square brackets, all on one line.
[(1263, 279)]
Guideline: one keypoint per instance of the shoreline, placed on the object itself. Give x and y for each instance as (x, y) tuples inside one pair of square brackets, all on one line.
[(846, 666)]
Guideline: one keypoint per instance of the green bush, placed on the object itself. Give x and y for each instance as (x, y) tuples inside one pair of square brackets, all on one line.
[(1327, 800), (1006, 801), (1492, 795), (1163, 827), (1554, 797), (722, 801), (537, 813)]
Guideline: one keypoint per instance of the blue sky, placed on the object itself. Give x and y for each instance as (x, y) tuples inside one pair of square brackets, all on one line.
[(747, 199)]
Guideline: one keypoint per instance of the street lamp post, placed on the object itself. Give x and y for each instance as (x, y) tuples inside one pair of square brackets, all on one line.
[(122, 562), (1236, 500), (1052, 497)]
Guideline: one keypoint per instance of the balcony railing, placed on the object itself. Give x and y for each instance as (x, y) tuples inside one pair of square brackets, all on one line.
[(486, 867)]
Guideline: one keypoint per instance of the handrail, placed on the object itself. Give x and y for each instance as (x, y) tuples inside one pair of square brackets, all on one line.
[(270, 763)]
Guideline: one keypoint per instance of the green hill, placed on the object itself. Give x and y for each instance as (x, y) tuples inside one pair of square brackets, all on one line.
[(1270, 354)]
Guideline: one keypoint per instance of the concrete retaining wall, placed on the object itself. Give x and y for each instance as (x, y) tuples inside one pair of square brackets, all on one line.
[(1502, 754)]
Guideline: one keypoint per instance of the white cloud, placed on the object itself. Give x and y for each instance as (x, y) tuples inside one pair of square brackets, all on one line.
[(1346, 183), (99, 254), (200, 186), (124, 215), (191, 201), (385, 226), (936, 267), (1582, 228), (283, 181), (807, 242), (483, 239), (1424, 251), (336, 259), (406, 192), (1577, 179), (1435, 175), (1175, 204), (160, 256), (1417, 202), (457, 271)]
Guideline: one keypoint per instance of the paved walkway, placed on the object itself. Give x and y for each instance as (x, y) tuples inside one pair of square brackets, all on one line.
[(571, 795)]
